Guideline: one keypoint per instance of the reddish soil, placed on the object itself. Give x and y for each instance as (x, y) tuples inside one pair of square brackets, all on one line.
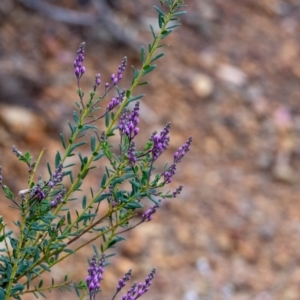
[(230, 79)]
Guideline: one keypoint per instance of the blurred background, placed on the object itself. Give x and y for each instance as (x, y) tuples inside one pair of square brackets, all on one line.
[(231, 79)]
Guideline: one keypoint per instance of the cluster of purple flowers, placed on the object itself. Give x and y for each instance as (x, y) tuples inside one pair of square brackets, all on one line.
[(148, 215), (180, 153), (79, 69), (129, 121), (160, 142), (131, 153), (57, 176), (177, 191), (137, 290), (114, 102), (97, 81), (115, 78), (38, 192), (178, 156), (122, 282), (95, 274), (58, 199)]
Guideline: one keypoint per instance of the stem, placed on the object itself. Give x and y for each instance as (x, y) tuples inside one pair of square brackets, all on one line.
[(46, 288), (75, 250), (147, 62), (16, 260)]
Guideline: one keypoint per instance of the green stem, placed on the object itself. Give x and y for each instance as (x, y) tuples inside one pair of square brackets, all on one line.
[(75, 250), (16, 260), (46, 288)]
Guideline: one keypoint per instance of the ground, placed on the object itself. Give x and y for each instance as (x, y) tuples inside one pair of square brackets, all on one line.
[(231, 80)]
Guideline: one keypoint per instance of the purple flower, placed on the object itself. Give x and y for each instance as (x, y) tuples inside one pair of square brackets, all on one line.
[(180, 153), (57, 176), (169, 173), (58, 199), (177, 191), (160, 142), (115, 101), (147, 216), (79, 69), (95, 274), (129, 121), (97, 81), (131, 153), (137, 290), (123, 281), (115, 78), (178, 156), (37, 191)]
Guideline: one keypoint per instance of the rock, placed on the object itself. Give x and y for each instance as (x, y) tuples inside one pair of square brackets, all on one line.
[(23, 122), (283, 171), (202, 85), (232, 74)]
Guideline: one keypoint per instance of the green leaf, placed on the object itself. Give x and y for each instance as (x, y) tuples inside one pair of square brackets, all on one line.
[(157, 57), (107, 120), (174, 26), (69, 218), (57, 159), (84, 202), (147, 69), (78, 185), (136, 74), (103, 181), (117, 181), (8, 192), (134, 183), (115, 240), (69, 251), (42, 294), (96, 251), (74, 146), (179, 13), (152, 31), (101, 197), (40, 283), (131, 99), (17, 288), (163, 45), (97, 156), (143, 83), (160, 21), (165, 33), (133, 205), (153, 199), (160, 12), (45, 267), (71, 128), (87, 217), (62, 140), (76, 117), (49, 169), (143, 55), (128, 93)]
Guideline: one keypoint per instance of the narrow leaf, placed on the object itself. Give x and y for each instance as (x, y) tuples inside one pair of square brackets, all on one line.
[(103, 181), (143, 55), (63, 140), (152, 31), (57, 159), (157, 56), (160, 12)]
